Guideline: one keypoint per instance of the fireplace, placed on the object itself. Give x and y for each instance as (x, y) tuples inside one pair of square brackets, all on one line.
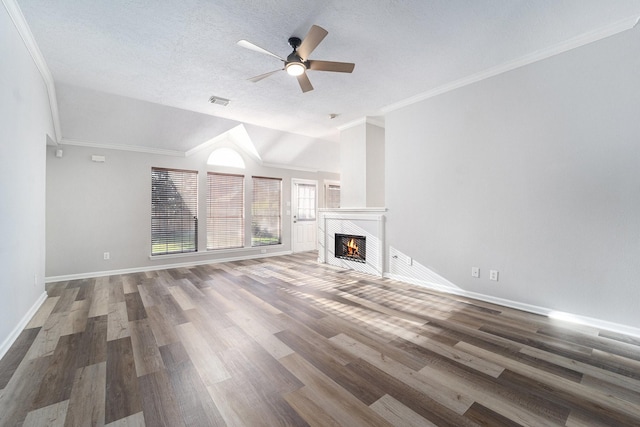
[(351, 247)]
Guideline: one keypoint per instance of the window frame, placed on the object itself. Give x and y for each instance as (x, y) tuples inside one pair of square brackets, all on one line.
[(266, 221), (179, 233), (328, 187), (211, 219)]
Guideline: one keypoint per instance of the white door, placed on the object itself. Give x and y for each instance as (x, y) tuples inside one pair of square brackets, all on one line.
[(304, 201)]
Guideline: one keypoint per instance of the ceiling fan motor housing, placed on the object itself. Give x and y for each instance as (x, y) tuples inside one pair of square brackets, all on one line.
[(294, 42)]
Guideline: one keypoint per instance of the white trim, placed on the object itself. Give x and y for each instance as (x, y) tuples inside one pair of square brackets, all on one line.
[(207, 252), (176, 153), (13, 336), (573, 43), (346, 211), (288, 167), (583, 320), (207, 144), (89, 275), (367, 119), (30, 43), (134, 148)]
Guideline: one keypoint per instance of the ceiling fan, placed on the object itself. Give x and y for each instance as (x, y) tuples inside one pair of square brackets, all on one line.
[(298, 62)]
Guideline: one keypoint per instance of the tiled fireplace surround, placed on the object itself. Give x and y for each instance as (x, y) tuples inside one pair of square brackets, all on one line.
[(368, 222)]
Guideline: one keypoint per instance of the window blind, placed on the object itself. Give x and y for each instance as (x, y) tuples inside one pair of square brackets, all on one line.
[(225, 211), (332, 199), (266, 215), (306, 202), (174, 210)]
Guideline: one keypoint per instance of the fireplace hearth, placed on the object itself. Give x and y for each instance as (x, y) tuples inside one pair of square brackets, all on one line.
[(351, 247)]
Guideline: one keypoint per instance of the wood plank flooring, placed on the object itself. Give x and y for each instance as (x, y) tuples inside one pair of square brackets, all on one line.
[(287, 341)]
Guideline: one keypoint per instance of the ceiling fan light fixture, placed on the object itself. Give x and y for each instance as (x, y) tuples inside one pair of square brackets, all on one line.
[(295, 68)]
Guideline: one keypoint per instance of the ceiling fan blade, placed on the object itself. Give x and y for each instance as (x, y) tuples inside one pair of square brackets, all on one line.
[(311, 41), (338, 67), (263, 76), (251, 46), (305, 84)]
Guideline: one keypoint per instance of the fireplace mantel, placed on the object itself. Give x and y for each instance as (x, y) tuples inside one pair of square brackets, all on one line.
[(367, 222)]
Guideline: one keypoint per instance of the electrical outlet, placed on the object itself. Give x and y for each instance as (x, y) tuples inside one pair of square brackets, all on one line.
[(493, 275), (263, 251), (107, 255), (475, 272)]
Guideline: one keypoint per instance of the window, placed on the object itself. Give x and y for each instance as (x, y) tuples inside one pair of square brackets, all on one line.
[(306, 208), (332, 196), (266, 218), (174, 207), (225, 211)]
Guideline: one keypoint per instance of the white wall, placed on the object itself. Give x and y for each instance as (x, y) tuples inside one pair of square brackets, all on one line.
[(362, 166), (25, 121), (535, 173), (375, 166), (353, 167), (94, 208)]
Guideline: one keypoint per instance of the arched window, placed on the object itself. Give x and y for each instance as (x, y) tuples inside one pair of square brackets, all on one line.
[(226, 157)]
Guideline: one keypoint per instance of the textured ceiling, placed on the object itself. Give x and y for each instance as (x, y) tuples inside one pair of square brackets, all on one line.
[(160, 57)]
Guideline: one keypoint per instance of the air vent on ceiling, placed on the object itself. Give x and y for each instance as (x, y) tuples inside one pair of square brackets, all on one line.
[(219, 101)]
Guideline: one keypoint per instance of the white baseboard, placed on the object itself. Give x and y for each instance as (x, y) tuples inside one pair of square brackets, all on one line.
[(52, 279), (575, 318), (8, 342)]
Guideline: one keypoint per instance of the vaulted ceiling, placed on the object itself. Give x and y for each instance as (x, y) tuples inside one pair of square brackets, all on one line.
[(140, 72)]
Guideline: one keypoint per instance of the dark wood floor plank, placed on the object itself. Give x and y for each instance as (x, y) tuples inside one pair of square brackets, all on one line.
[(193, 400), (321, 359), (158, 400), (122, 392), (58, 380), (87, 400), (11, 360), (163, 329), (145, 349), (93, 342), (135, 307), (486, 417)]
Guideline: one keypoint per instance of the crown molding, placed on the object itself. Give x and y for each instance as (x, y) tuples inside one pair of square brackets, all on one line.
[(288, 167), (30, 43), (134, 148), (172, 153), (573, 43), (363, 120)]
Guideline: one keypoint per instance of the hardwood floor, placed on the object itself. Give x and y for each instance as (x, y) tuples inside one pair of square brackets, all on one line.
[(286, 341)]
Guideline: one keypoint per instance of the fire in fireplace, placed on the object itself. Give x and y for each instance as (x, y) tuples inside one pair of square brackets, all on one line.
[(353, 248)]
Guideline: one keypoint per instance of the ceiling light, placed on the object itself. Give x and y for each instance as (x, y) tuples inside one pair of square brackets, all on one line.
[(295, 68)]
